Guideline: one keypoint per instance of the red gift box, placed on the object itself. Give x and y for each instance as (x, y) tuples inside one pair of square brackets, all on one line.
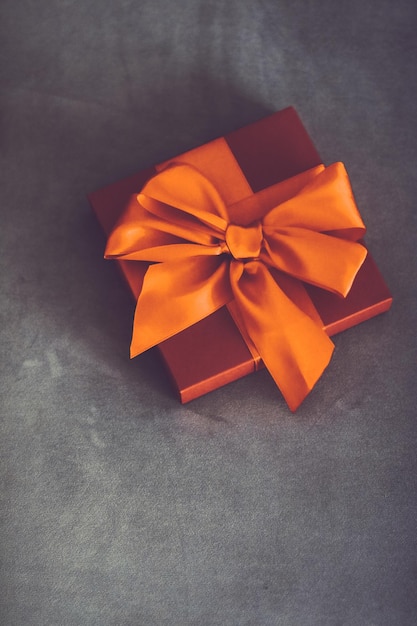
[(213, 352)]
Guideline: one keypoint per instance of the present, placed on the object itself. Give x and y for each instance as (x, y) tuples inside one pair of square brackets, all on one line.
[(243, 253)]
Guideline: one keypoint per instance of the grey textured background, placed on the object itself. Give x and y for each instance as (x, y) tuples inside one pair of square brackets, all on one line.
[(121, 507)]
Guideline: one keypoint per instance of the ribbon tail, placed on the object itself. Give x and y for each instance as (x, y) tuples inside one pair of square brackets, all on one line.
[(293, 346), (176, 295)]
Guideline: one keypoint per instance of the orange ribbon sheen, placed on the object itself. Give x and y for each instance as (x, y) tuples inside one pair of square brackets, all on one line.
[(201, 261)]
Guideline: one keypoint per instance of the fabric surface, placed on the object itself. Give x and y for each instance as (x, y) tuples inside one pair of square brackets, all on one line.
[(119, 505)]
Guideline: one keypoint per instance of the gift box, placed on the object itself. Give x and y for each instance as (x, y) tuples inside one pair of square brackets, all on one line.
[(250, 180)]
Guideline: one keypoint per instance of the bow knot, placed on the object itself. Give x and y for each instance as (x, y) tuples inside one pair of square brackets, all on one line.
[(244, 242)]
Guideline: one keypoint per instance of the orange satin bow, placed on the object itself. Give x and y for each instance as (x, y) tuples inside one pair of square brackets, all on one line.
[(201, 261)]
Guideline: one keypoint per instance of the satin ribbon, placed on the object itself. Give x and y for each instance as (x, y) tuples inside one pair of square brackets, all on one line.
[(201, 260)]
